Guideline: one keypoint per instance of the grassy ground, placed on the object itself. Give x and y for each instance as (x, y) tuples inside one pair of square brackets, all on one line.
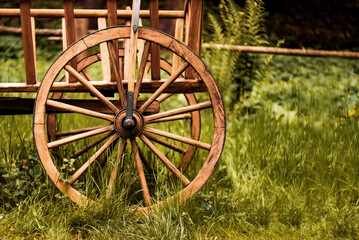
[(276, 179)]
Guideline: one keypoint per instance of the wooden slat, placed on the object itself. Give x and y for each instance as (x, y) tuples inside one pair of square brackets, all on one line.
[(194, 28), (70, 31), (34, 42), (176, 62), (126, 46), (12, 106), (133, 50), (140, 45), (106, 71), (87, 13), (27, 41), (148, 86), (64, 43), (112, 21), (155, 49)]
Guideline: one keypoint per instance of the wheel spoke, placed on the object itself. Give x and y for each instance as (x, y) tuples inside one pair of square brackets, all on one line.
[(72, 132), (186, 109), (176, 137), (86, 165), (165, 143), (88, 147), (165, 161), (116, 72), (172, 118), (116, 166), (141, 71), (91, 88), (141, 174), (160, 90), (71, 108), (79, 136), (164, 97)]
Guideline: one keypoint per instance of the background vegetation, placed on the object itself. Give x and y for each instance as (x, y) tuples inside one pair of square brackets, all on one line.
[(289, 169)]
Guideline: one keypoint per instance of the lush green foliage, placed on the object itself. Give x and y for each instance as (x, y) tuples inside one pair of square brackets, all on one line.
[(235, 72)]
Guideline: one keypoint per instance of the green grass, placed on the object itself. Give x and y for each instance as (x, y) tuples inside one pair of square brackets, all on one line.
[(276, 179)]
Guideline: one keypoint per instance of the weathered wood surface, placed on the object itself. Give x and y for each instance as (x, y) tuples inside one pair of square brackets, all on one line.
[(28, 42), (155, 49), (70, 34), (87, 13), (11, 106), (148, 86), (283, 51)]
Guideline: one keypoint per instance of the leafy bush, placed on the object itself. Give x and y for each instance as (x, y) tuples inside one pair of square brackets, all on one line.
[(234, 71)]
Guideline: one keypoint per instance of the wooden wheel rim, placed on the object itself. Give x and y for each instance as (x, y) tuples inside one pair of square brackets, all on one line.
[(153, 36), (164, 65)]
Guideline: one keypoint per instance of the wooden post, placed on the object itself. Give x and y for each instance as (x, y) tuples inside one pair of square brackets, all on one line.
[(176, 62), (106, 72), (70, 31), (155, 49), (27, 41), (194, 30), (112, 21)]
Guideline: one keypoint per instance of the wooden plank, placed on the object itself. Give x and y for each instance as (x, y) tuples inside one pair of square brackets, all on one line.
[(27, 42), (126, 46), (133, 48), (194, 28), (70, 31), (283, 51), (155, 49), (12, 106), (64, 43), (112, 21), (105, 57), (176, 62), (87, 13), (34, 42), (148, 86)]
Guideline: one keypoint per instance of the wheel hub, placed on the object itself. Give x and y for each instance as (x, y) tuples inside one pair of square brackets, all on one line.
[(129, 127)]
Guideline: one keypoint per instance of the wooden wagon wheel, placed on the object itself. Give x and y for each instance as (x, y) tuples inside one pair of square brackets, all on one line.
[(54, 134), (142, 132)]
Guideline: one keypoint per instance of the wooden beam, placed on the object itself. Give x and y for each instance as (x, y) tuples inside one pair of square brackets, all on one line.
[(194, 23), (105, 56), (12, 106), (148, 86), (87, 13), (155, 49), (284, 51), (70, 31), (27, 42), (112, 21)]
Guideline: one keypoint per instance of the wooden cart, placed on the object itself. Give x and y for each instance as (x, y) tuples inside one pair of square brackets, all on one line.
[(122, 84)]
